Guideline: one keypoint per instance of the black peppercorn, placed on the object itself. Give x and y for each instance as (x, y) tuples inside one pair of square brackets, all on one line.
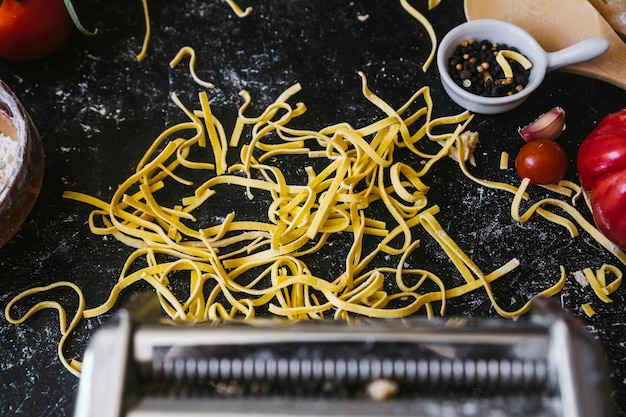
[(473, 66)]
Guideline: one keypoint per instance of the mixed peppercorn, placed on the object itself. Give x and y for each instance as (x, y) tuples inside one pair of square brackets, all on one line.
[(474, 67)]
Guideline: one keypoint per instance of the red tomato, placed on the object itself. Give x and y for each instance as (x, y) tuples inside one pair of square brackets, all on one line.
[(604, 150), (601, 164), (608, 199), (542, 161), (31, 29)]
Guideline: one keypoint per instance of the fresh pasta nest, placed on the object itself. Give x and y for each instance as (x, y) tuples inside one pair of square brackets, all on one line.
[(356, 170), (240, 267)]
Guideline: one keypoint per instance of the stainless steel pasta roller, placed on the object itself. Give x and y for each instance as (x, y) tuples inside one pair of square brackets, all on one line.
[(543, 364)]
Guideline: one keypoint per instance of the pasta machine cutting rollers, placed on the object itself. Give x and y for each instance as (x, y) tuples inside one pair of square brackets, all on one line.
[(543, 364)]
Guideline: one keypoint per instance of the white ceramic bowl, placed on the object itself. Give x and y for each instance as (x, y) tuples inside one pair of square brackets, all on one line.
[(504, 32), (23, 182)]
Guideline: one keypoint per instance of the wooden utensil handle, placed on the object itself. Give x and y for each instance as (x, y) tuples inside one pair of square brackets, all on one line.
[(609, 67), (614, 11)]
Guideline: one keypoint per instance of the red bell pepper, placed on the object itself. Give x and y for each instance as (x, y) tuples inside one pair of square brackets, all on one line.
[(601, 165)]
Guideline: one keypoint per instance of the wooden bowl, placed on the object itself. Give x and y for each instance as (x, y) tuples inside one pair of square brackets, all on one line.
[(22, 164)]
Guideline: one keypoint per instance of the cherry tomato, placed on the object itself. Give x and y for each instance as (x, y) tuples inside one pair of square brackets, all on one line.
[(31, 29), (542, 161)]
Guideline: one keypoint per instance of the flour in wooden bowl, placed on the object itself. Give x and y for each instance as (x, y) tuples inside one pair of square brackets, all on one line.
[(8, 155), (21, 164)]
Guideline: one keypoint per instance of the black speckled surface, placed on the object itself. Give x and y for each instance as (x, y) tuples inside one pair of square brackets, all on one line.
[(98, 109)]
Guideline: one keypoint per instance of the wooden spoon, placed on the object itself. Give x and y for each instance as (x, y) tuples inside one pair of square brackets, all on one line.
[(558, 24), (614, 11)]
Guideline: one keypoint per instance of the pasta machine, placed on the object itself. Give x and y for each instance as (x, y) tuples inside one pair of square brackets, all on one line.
[(543, 364)]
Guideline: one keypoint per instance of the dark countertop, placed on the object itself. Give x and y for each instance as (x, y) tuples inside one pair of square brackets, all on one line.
[(98, 109)]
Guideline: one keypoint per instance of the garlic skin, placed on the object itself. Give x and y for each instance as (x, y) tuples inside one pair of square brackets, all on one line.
[(547, 126)]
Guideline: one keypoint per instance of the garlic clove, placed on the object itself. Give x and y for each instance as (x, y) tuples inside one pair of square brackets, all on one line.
[(547, 126)]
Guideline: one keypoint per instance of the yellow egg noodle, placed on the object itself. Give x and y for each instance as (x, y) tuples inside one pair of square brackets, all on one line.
[(184, 51), (558, 188), (146, 39), (238, 10), (504, 160), (66, 330), (427, 25), (588, 310)]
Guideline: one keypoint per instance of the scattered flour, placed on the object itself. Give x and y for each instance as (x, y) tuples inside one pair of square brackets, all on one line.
[(8, 155)]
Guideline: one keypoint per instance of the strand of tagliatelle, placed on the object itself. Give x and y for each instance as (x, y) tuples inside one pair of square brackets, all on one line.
[(237, 267)]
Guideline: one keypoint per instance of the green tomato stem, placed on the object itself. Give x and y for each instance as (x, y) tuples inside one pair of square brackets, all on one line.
[(76, 20)]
